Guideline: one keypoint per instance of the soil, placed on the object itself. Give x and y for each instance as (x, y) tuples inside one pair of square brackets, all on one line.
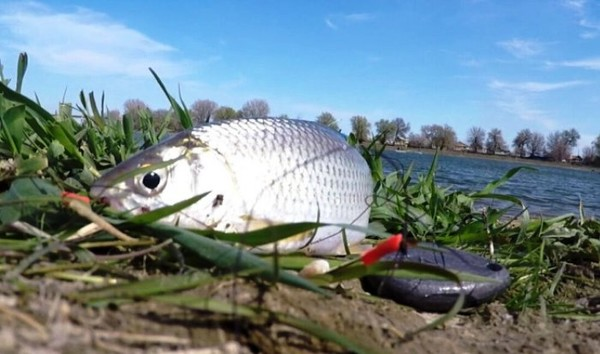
[(45, 321)]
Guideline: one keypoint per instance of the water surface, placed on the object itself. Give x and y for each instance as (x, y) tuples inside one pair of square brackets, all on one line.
[(546, 190)]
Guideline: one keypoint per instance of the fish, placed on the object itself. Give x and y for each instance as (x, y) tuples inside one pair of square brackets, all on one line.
[(253, 173)]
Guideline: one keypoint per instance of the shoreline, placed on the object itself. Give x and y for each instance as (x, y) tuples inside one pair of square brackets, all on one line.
[(511, 159)]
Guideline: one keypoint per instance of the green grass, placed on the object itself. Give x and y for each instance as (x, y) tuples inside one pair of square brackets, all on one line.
[(44, 154)]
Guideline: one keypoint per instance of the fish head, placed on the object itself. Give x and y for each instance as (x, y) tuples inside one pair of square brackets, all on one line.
[(165, 174)]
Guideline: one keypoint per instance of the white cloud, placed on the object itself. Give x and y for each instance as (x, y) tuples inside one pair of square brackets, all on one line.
[(471, 63), (359, 17), (585, 17), (521, 48), (532, 86), (588, 35), (330, 24), (84, 42), (589, 64), (334, 21), (518, 99), (574, 4), (522, 108)]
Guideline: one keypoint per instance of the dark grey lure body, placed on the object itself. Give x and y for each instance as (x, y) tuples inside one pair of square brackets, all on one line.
[(440, 296)]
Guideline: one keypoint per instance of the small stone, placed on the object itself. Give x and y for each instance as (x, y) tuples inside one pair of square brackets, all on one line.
[(314, 268)]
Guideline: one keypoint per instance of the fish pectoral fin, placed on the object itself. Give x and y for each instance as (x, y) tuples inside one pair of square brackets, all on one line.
[(252, 223), (246, 223)]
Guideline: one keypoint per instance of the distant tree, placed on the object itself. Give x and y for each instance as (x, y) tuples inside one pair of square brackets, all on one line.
[(560, 144), (224, 112), (495, 142), (283, 116), (328, 120), (597, 146), (134, 108), (476, 138), (202, 110), (402, 129), (417, 141), (361, 128), (557, 147), (386, 131), (427, 133), (588, 154), (255, 108), (571, 137), (535, 145), (440, 137), (160, 115), (113, 114), (449, 137), (520, 142)]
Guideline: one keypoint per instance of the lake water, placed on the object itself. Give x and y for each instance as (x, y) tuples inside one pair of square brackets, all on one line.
[(548, 191)]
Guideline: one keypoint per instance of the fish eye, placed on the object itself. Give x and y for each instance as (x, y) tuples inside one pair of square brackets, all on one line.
[(151, 180)]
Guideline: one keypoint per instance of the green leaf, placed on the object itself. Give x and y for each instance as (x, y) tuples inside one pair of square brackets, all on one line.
[(13, 126), (24, 197), (93, 143), (500, 181), (56, 149), (505, 197), (35, 107), (144, 288), (184, 117), (31, 165), (268, 234), (21, 69), (69, 142), (96, 114), (227, 257), (128, 131), (160, 213)]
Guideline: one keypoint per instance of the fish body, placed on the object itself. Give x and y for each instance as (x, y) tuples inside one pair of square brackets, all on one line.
[(256, 173)]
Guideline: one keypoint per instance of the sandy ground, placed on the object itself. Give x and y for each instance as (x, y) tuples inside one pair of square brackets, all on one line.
[(42, 320)]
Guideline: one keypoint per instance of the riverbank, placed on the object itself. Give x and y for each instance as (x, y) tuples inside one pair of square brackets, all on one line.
[(511, 159), (52, 323)]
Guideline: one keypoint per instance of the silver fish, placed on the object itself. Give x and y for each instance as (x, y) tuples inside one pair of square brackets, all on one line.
[(257, 172)]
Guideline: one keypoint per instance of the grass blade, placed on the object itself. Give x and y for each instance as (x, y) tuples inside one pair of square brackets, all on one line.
[(228, 257), (13, 127), (160, 213), (184, 117), (144, 288), (21, 69), (502, 180)]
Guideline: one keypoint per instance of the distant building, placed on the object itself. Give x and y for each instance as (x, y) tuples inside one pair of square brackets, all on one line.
[(460, 146), (576, 160), (401, 142)]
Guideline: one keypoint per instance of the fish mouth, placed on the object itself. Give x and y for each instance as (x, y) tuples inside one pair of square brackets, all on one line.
[(118, 205), (111, 202), (99, 192)]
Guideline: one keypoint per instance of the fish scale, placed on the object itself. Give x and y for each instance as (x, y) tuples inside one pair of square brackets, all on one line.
[(262, 171)]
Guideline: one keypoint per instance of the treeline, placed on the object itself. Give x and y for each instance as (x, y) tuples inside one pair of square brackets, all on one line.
[(556, 146), (201, 111)]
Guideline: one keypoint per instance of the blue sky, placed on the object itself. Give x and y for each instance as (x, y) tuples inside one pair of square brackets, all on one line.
[(494, 64)]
